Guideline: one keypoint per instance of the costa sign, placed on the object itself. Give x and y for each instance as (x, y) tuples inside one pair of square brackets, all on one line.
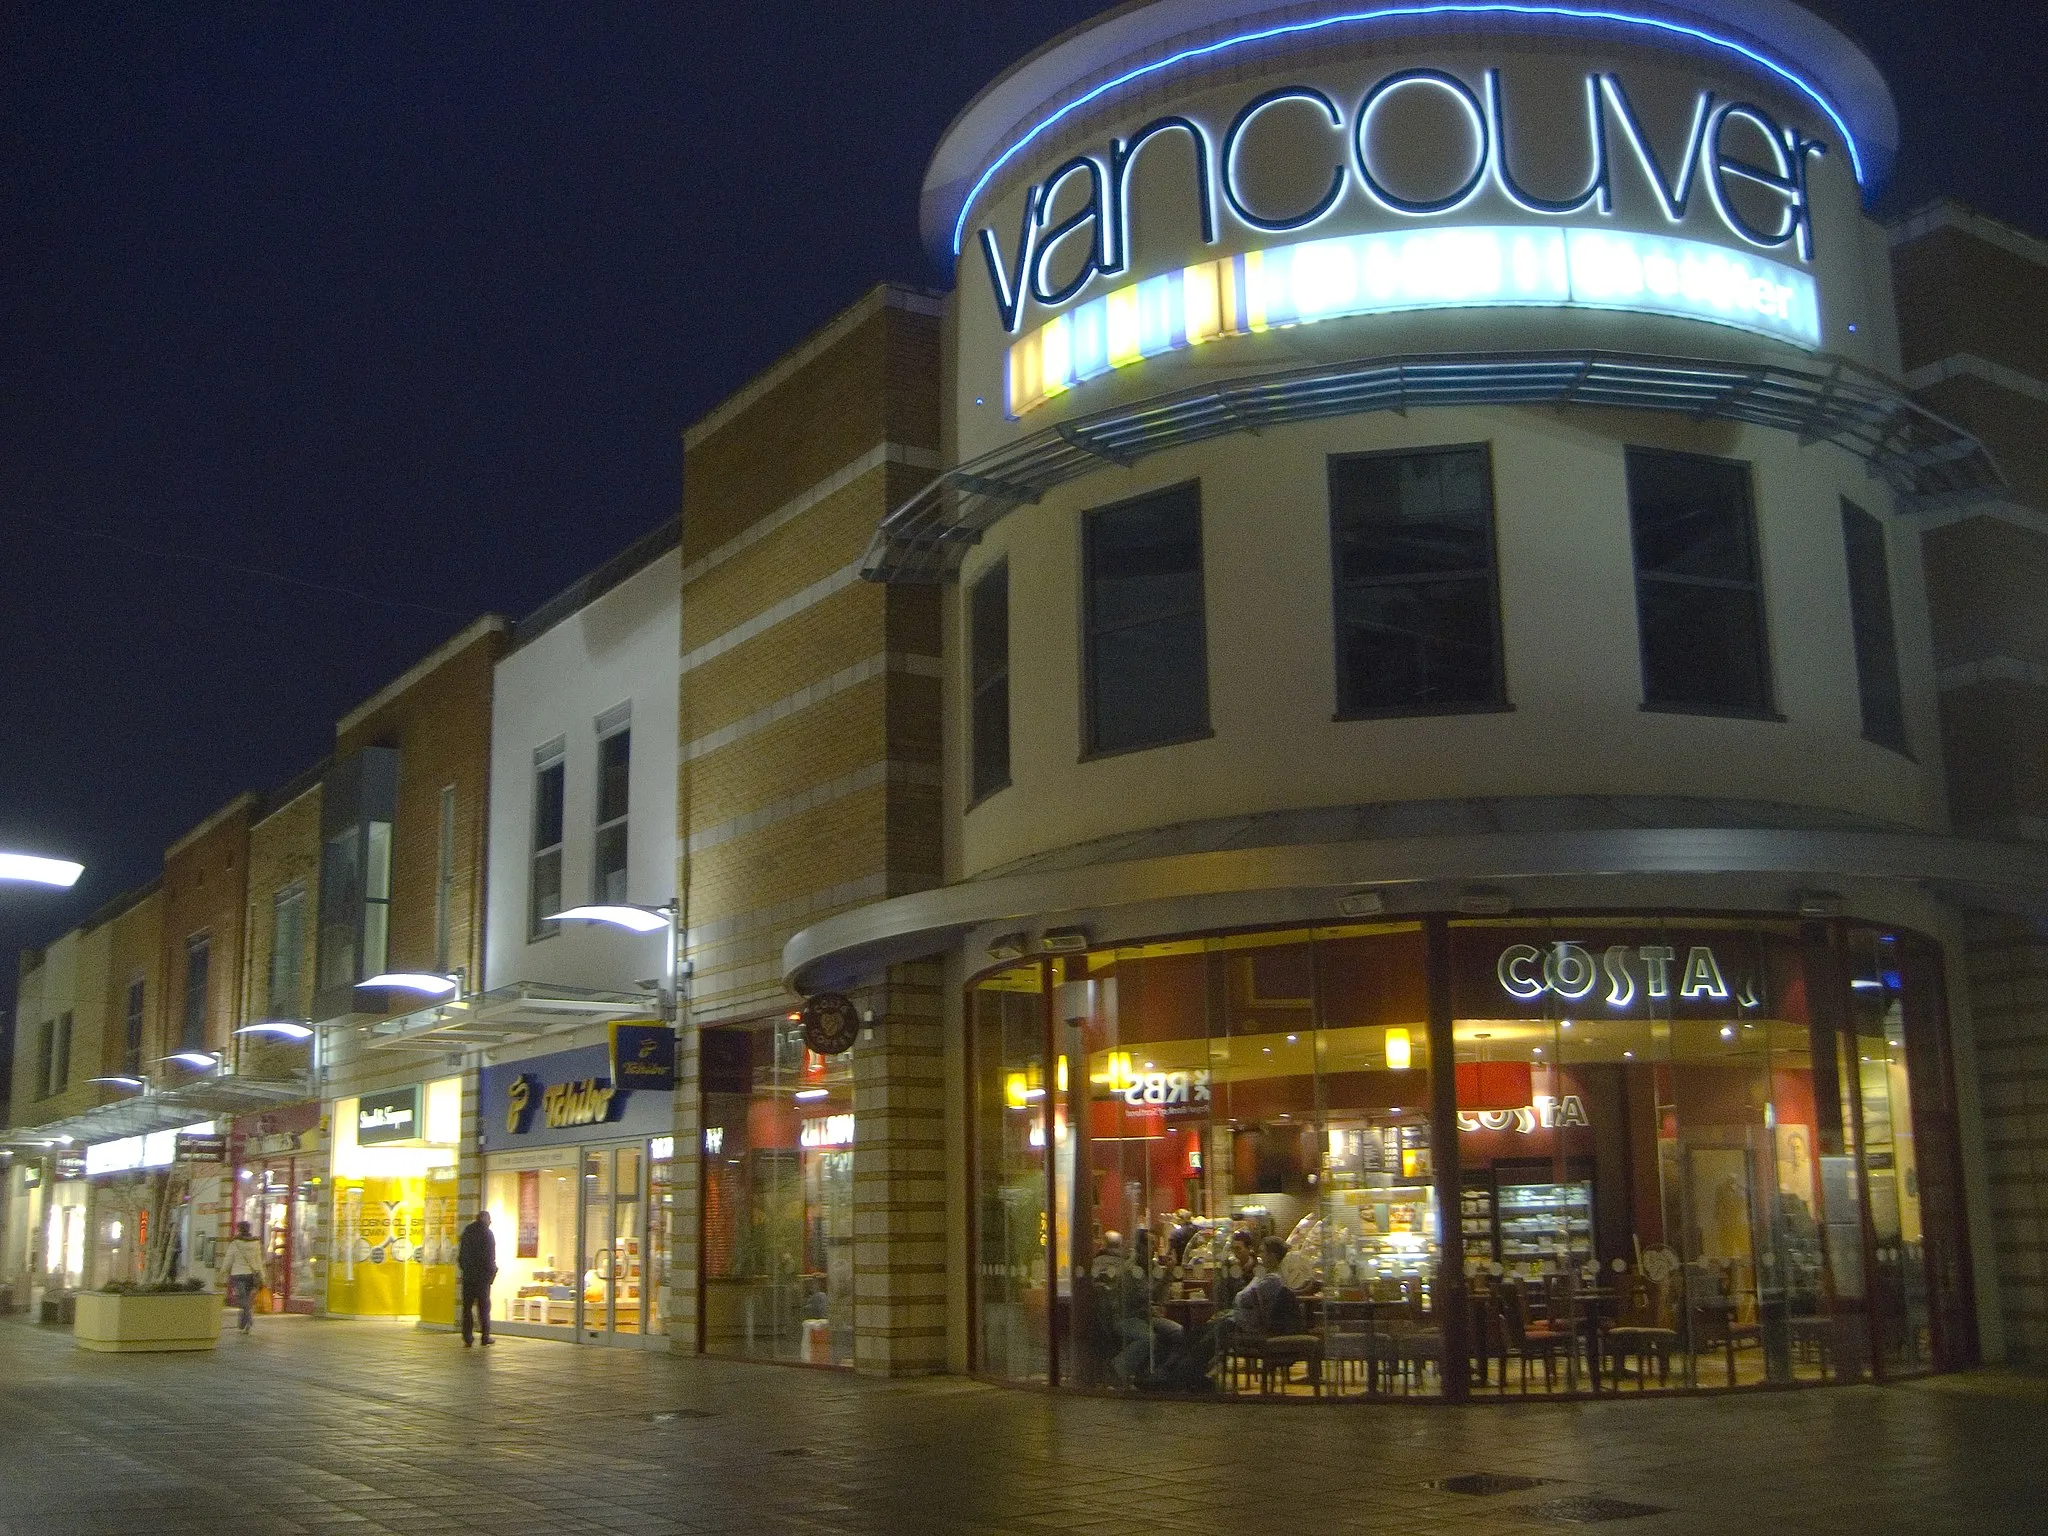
[(1619, 975), (1729, 145)]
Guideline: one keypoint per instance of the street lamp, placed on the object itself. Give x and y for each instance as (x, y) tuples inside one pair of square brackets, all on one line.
[(197, 1061), (124, 1080), (640, 920), (32, 870), (449, 986), (281, 1029)]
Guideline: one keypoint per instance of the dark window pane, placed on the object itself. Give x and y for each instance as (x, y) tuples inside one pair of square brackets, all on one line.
[(1699, 597), (1691, 516), (1418, 644), (1870, 611), (547, 806), (1148, 678), (1699, 646), (1418, 624), (989, 626), (1411, 515), (1145, 558), (610, 885), (614, 772), (198, 960), (1150, 684)]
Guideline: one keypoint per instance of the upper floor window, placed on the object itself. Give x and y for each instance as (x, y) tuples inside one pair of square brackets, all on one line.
[(359, 808), (1416, 603), (1147, 654), (444, 882), (198, 961), (614, 799), (1870, 614), (131, 1029), (287, 951), (46, 1058), (545, 886), (988, 631), (1699, 587)]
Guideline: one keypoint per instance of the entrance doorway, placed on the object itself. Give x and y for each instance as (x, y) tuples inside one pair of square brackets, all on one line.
[(573, 1244)]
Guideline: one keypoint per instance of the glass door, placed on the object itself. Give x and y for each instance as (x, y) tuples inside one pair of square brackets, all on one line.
[(612, 1291)]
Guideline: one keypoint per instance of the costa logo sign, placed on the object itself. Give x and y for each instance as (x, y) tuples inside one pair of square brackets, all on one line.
[(1062, 244), (1649, 972)]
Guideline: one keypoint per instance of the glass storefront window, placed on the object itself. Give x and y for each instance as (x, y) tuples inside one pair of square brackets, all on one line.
[(532, 1199), (778, 1196), (1678, 1153)]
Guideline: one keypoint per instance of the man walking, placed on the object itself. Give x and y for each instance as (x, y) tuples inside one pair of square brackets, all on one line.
[(476, 1256)]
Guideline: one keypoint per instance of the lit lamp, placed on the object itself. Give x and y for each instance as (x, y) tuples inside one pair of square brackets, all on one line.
[(196, 1061), (123, 1080), (280, 1029), (449, 987), (1400, 1051), (32, 870), (639, 920)]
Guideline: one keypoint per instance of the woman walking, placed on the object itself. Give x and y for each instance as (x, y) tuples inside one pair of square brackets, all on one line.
[(244, 1263)]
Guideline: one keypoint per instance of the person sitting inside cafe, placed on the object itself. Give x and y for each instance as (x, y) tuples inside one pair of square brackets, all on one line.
[(1268, 1306), (1150, 1344)]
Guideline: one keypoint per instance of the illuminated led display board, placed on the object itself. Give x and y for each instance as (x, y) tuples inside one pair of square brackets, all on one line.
[(1356, 275)]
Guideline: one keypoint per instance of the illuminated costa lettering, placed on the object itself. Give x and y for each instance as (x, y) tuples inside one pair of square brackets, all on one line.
[(1512, 969), (1569, 971), (1702, 976), (1621, 985), (1657, 960), (1460, 92)]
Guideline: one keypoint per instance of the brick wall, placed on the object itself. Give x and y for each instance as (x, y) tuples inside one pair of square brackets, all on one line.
[(205, 892), (809, 769)]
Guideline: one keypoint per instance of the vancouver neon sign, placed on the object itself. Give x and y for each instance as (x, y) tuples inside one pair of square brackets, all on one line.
[(1553, 13)]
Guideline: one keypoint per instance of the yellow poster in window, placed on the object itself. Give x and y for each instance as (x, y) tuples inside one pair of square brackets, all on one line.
[(439, 1236), (379, 1227)]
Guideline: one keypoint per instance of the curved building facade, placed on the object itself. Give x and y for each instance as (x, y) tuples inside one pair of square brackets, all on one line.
[(1442, 753)]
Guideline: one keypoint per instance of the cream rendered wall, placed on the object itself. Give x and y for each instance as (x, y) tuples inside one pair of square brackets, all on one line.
[(626, 645), (1568, 626)]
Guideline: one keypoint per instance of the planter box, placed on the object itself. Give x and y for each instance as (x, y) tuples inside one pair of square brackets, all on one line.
[(134, 1324)]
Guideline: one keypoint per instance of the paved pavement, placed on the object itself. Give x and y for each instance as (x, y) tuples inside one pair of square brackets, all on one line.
[(346, 1428)]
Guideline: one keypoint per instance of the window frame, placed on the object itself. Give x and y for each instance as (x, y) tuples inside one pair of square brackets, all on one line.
[(134, 1018), (1090, 750), (1886, 620), (444, 882), (1766, 653), (552, 758), (977, 791), (191, 1018), (610, 730), (285, 992), (1499, 703)]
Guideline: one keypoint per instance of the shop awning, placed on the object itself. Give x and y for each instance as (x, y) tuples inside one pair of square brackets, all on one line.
[(524, 1011), (213, 1098), (1920, 454)]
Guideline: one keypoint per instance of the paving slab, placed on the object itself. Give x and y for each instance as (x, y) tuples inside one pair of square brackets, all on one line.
[(352, 1429)]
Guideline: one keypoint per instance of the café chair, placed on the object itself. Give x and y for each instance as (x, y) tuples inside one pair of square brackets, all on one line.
[(1526, 1342), (1639, 1334)]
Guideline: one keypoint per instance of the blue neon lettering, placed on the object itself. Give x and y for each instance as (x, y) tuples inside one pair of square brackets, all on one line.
[(1594, 16), (1122, 152), (1362, 142), (1010, 294), (1782, 182), (1232, 139), (1599, 189), (1675, 196), (1090, 213)]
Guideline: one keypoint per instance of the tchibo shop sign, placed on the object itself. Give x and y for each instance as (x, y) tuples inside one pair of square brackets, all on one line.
[(1344, 192)]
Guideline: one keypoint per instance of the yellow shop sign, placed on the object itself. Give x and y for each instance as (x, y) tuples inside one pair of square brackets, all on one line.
[(586, 1101)]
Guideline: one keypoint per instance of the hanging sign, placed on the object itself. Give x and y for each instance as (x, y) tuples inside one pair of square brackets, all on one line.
[(831, 1023), (529, 1214), (644, 1055)]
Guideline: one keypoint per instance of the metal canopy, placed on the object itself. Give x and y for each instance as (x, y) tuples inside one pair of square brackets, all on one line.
[(213, 1098), (1918, 452), (521, 1012)]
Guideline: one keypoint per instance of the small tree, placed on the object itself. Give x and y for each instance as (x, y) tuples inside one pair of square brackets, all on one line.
[(174, 1188)]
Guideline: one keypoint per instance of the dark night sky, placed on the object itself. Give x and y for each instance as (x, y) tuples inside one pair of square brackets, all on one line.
[(414, 301)]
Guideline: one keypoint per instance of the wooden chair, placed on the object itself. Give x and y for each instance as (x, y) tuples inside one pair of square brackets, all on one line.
[(1526, 1342), (1639, 1333)]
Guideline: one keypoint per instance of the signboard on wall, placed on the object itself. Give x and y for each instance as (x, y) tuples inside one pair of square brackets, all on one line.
[(831, 1023), (528, 1236), (564, 1098), (383, 1119)]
